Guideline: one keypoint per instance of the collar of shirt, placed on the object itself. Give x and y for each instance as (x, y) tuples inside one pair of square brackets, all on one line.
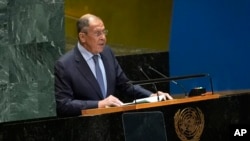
[(85, 53)]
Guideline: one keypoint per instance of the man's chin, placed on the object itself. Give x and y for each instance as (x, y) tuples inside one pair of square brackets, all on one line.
[(100, 50)]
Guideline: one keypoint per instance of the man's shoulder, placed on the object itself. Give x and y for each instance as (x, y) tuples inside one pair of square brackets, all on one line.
[(67, 58), (107, 50), (67, 55)]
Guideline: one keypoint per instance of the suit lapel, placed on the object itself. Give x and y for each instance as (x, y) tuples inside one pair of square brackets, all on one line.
[(108, 72), (84, 69)]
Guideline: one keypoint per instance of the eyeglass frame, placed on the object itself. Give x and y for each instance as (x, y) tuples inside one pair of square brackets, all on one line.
[(98, 33)]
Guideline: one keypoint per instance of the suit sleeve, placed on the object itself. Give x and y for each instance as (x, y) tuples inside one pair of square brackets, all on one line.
[(66, 104)]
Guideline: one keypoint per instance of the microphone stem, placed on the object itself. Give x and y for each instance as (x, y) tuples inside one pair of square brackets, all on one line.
[(154, 86), (184, 90), (211, 84), (158, 97)]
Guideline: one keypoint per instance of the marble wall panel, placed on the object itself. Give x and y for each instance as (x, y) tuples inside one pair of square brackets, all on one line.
[(36, 23), (31, 39)]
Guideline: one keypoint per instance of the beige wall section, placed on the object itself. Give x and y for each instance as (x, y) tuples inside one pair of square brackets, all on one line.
[(135, 26)]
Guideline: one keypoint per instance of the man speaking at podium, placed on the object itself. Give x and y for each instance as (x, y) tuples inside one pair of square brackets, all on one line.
[(88, 76)]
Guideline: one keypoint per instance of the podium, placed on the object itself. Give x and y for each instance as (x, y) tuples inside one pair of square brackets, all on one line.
[(212, 116), (145, 121), (100, 111)]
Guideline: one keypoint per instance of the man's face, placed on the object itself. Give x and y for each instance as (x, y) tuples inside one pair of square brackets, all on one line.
[(94, 39)]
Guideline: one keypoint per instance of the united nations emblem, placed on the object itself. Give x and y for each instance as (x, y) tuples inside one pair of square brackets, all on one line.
[(189, 124)]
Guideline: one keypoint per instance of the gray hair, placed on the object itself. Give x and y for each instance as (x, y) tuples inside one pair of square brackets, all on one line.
[(82, 23)]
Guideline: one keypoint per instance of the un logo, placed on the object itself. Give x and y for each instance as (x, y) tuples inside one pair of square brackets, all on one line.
[(189, 124)]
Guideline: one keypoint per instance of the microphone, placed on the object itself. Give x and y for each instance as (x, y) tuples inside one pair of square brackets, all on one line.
[(154, 86), (159, 73)]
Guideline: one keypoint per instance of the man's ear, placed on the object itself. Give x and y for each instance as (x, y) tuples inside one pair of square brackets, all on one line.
[(81, 37)]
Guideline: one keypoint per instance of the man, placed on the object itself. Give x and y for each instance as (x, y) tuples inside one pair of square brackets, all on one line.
[(88, 75)]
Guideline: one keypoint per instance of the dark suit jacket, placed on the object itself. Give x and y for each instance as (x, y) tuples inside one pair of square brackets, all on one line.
[(76, 87)]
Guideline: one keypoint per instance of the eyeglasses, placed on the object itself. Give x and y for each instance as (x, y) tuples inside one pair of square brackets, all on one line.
[(99, 33)]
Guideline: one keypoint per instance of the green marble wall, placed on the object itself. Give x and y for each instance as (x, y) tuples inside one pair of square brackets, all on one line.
[(31, 39)]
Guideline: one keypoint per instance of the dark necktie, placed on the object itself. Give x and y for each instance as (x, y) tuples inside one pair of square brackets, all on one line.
[(99, 76)]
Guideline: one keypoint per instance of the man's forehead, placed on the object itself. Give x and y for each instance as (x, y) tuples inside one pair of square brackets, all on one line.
[(96, 24)]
